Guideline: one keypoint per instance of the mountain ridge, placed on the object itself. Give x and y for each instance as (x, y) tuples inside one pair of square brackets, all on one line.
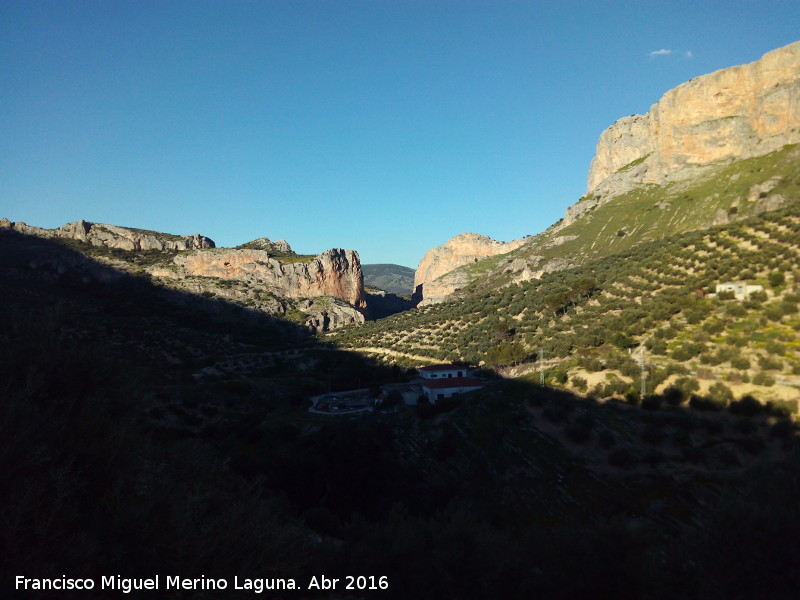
[(631, 170)]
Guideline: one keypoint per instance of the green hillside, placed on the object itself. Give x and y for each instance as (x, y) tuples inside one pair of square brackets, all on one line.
[(392, 278), (658, 293), (725, 192)]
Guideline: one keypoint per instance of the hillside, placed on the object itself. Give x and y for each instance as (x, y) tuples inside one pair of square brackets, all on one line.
[(322, 292), (721, 147), (656, 293), (392, 278), (725, 193), (143, 418)]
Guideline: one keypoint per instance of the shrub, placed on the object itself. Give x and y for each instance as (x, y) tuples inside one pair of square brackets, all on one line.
[(769, 363), (782, 408), (776, 279), (740, 362), (789, 308), (705, 404), (580, 383), (721, 394), (747, 406), (674, 396), (687, 385)]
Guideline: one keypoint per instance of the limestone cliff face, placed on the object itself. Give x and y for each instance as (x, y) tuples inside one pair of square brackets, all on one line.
[(738, 112), (113, 236), (335, 272), (463, 249)]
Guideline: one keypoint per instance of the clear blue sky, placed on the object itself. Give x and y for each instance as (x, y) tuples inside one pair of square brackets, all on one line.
[(386, 127)]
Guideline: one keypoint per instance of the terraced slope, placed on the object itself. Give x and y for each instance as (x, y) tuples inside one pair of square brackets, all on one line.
[(723, 193), (656, 293)]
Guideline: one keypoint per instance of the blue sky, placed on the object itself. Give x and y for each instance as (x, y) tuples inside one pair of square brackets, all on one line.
[(385, 127)]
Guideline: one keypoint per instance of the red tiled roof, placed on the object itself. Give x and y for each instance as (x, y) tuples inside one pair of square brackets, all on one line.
[(452, 382), (444, 368)]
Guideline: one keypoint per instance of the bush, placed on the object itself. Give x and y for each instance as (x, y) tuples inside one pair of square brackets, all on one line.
[(687, 385), (776, 279), (674, 396), (740, 362), (580, 383), (747, 406), (705, 404), (764, 379), (720, 394), (767, 362)]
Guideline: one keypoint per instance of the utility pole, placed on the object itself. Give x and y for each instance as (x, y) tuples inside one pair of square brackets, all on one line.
[(541, 366), (643, 365)]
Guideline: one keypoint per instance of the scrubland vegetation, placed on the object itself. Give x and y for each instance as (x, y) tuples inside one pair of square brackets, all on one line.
[(659, 295)]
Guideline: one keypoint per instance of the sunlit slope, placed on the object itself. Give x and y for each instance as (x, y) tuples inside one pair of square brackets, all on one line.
[(724, 193), (656, 292)]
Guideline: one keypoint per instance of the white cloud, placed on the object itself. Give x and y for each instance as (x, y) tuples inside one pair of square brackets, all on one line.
[(661, 52), (688, 54)]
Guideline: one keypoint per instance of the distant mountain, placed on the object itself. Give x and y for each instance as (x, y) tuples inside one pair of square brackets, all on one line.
[(392, 278), (720, 148)]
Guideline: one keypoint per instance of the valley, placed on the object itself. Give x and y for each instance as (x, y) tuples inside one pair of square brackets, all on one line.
[(633, 433)]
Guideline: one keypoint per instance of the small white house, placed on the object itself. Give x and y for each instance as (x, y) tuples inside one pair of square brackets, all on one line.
[(740, 289), (443, 371), (438, 389)]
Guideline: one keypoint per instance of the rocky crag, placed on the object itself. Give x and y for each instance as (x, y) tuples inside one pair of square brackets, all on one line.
[(322, 292), (113, 236), (718, 148), (463, 249), (735, 113)]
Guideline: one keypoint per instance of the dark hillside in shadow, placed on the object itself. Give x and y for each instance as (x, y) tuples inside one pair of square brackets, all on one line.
[(148, 432)]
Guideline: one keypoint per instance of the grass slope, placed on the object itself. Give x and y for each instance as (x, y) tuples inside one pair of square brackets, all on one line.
[(726, 192), (655, 293), (392, 278)]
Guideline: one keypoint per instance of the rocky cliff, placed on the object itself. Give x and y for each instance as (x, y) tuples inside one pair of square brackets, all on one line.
[(322, 292), (113, 236), (335, 272), (739, 112), (463, 249)]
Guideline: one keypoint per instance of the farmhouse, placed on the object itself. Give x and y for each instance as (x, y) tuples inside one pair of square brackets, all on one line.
[(740, 289), (443, 371), (438, 389)]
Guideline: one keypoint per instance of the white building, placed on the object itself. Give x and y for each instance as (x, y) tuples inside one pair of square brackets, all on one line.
[(443, 371), (740, 289), (438, 389)]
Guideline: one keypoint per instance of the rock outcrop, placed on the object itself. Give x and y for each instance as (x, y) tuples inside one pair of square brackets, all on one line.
[(335, 272), (113, 236), (326, 313), (323, 292), (734, 113), (279, 248), (463, 249)]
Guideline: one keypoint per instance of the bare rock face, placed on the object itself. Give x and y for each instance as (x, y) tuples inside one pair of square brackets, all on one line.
[(326, 313), (463, 249), (113, 236), (280, 247), (734, 113), (335, 272)]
